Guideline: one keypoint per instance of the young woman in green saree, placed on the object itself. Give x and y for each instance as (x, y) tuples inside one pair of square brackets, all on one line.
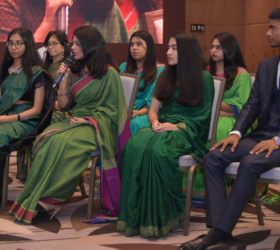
[(151, 198), (141, 60), (99, 122), (22, 91), (58, 49)]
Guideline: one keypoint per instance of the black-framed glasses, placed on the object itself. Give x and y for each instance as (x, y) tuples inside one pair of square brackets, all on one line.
[(218, 47), (54, 44), (17, 44)]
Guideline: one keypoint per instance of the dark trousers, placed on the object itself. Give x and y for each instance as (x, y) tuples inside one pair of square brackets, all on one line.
[(221, 211)]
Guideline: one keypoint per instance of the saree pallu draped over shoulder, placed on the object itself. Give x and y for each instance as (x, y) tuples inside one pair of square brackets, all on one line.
[(151, 198), (62, 152), (13, 88)]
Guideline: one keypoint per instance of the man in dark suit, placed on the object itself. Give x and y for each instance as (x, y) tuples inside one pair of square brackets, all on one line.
[(257, 153)]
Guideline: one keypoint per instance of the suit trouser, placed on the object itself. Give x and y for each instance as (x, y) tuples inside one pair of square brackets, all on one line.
[(221, 211)]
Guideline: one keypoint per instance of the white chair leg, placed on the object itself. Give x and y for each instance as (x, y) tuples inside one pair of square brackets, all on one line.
[(5, 181), (91, 187)]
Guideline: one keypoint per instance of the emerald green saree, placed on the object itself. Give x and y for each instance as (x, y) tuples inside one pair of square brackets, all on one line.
[(151, 198), (62, 152), (13, 88)]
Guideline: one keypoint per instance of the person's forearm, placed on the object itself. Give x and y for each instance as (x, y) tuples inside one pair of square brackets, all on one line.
[(62, 96), (228, 114), (226, 107), (49, 23)]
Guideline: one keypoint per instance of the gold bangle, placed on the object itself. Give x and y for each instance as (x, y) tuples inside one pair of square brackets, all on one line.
[(152, 120), (141, 112)]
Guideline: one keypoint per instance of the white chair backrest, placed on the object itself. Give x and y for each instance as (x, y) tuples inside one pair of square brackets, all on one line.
[(42, 53), (253, 78), (219, 84), (130, 86)]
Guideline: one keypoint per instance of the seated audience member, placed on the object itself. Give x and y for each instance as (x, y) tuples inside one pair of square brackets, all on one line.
[(62, 152), (151, 198), (58, 49), (141, 61), (257, 153), (22, 91), (226, 61)]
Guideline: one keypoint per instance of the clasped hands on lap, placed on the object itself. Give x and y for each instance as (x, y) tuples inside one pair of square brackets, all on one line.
[(266, 145), (163, 127)]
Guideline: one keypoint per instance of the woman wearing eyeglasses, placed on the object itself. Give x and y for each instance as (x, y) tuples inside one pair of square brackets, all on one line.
[(22, 90), (58, 49), (226, 61)]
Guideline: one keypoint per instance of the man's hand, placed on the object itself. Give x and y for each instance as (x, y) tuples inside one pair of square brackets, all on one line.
[(232, 139), (269, 145)]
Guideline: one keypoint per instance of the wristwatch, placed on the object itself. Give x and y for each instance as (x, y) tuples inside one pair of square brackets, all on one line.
[(277, 140)]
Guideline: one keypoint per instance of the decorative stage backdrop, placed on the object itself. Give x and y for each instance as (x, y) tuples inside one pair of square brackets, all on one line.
[(115, 19)]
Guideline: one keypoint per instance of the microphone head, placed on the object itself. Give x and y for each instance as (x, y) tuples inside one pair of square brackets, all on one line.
[(69, 60)]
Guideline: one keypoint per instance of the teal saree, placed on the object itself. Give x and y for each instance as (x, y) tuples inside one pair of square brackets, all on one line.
[(143, 99), (151, 198)]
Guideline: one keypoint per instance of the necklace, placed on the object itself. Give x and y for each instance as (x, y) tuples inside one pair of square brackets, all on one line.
[(15, 70)]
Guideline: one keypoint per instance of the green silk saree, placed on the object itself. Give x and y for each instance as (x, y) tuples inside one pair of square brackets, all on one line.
[(151, 198), (62, 152), (13, 88)]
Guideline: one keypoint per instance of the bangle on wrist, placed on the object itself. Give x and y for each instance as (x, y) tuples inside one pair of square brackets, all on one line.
[(141, 112), (152, 120), (18, 117), (61, 94)]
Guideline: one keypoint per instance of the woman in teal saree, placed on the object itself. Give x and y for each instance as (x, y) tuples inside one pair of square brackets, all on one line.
[(99, 122), (22, 91), (58, 48), (151, 197), (141, 61)]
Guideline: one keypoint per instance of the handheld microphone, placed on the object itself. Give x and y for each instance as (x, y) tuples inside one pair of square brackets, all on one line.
[(62, 19), (67, 62)]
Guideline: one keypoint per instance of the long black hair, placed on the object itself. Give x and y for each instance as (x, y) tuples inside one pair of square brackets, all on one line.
[(30, 56), (232, 57), (186, 75), (63, 40), (150, 65), (97, 57)]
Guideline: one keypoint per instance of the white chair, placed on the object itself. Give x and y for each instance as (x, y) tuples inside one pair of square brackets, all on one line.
[(253, 78), (270, 177), (42, 53), (130, 85), (187, 163)]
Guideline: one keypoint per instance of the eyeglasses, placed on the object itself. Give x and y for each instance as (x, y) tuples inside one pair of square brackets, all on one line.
[(51, 44), (17, 44), (218, 47)]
